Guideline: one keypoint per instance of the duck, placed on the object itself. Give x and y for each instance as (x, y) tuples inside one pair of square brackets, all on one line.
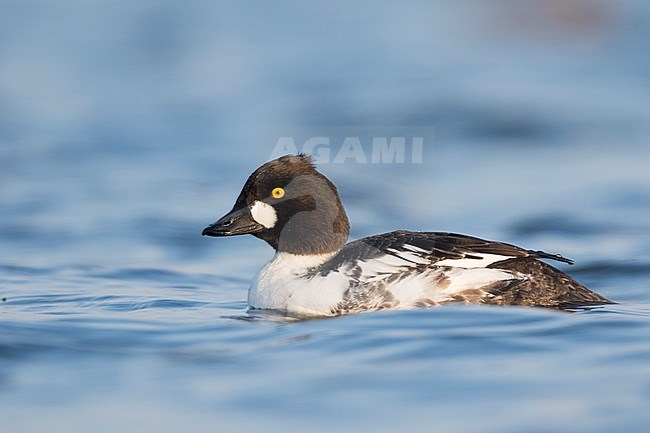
[(298, 211)]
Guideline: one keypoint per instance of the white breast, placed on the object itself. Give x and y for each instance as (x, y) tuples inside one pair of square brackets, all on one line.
[(281, 285)]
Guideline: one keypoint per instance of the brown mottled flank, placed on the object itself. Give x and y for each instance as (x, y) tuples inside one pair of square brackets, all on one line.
[(369, 296), (376, 296), (366, 299), (542, 286)]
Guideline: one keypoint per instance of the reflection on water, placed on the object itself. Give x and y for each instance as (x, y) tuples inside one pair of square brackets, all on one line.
[(126, 127)]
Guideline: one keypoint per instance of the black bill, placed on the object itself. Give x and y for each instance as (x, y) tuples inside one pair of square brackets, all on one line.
[(236, 222)]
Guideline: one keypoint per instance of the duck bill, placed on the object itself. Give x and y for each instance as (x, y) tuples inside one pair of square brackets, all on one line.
[(236, 222)]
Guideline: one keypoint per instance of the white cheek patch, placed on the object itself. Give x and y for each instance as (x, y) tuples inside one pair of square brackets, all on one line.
[(264, 214)]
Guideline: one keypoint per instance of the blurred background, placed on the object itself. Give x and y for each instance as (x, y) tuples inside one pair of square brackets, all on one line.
[(127, 127)]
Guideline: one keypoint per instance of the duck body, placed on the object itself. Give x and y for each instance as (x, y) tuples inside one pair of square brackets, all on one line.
[(298, 211)]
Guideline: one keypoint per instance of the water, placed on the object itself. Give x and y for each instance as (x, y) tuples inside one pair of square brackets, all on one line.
[(126, 128)]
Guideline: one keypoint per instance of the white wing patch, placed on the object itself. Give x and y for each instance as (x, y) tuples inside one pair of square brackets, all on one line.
[(411, 256), (414, 255), (484, 261), (380, 267), (415, 249)]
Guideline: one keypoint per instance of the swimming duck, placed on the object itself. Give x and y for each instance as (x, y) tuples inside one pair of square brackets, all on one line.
[(289, 204)]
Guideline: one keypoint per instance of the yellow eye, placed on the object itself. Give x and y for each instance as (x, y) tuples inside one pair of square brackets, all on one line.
[(277, 193)]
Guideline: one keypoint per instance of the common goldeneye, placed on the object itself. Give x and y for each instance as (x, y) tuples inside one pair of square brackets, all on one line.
[(297, 210)]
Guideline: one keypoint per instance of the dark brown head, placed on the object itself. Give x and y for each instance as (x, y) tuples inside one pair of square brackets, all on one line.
[(290, 205)]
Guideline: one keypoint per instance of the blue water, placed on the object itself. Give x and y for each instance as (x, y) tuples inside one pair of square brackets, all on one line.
[(127, 127)]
